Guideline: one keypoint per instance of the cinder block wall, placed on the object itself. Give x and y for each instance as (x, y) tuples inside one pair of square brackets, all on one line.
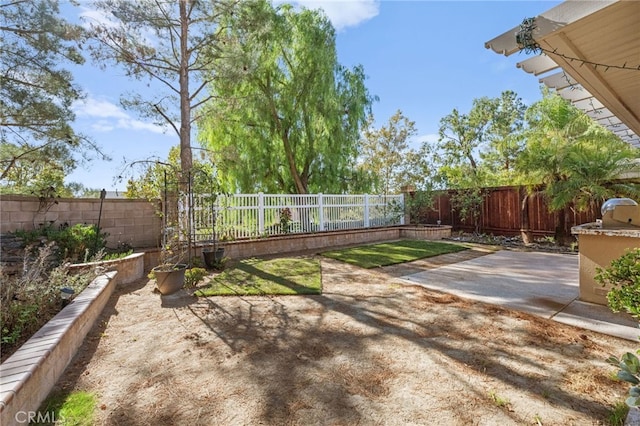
[(320, 241), (134, 222), (27, 376)]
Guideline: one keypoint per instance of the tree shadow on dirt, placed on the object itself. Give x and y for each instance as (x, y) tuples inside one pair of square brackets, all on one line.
[(283, 349), (90, 343), (329, 358)]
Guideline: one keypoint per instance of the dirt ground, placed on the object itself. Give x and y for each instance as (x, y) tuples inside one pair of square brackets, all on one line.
[(370, 350)]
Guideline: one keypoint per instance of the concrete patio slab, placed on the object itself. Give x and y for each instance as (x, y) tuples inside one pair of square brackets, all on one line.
[(543, 284)]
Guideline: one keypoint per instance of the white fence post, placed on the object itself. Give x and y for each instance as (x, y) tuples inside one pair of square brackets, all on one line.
[(366, 210), (320, 212), (257, 215), (260, 213)]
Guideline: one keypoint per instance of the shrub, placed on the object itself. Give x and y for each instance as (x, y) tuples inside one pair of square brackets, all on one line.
[(285, 220), (117, 255), (77, 243), (418, 206), (193, 276), (28, 301), (624, 275), (629, 366)]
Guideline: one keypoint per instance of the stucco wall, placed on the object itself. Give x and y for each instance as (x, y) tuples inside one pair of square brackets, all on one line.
[(134, 222), (597, 249)]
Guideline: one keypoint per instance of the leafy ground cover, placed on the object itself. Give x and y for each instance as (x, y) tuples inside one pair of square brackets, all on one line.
[(392, 253), (282, 276), (29, 300), (30, 292)]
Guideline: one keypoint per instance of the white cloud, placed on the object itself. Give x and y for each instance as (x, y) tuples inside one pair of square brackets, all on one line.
[(102, 126), (106, 116), (429, 137), (344, 13), (94, 17), (92, 107), (140, 125)]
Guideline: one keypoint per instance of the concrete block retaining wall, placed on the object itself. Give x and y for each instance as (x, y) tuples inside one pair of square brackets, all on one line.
[(130, 268), (27, 377), (134, 222), (330, 239), (293, 243)]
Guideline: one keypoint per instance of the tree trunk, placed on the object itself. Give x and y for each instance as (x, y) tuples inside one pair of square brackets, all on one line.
[(560, 233), (185, 103), (525, 228), (301, 187)]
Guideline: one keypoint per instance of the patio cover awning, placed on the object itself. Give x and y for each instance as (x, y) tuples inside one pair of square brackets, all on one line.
[(591, 56)]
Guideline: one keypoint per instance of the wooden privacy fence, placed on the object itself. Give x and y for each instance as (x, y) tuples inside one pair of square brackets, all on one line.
[(501, 213)]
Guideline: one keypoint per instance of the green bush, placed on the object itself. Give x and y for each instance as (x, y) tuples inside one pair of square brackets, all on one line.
[(629, 366), (29, 300), (418, 205), (193, 276), (624, 275), (78, 243), (116, 255)]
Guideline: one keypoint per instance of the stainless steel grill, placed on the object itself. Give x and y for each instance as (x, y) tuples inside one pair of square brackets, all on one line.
[(620, 213)]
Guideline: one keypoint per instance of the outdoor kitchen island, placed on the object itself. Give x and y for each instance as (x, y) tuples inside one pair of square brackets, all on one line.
[(601, 242)]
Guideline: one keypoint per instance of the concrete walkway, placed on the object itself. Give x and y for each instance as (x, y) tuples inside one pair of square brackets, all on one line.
[(543, 284)]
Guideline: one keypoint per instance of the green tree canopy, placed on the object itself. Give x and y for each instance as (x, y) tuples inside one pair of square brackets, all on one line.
[(155, 176), (37, 142), (461, 136), (480, 148), (575, 160), (290, 122), (385, 151), (504, 137)]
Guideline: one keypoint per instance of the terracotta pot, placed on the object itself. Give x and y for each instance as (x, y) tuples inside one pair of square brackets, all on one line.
[(169, 279)]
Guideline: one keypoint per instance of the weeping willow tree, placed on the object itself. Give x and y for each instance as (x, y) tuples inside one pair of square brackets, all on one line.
[(290, 121)]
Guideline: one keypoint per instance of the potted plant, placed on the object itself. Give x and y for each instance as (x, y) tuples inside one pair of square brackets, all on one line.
[(214, 255), (169, 278), (170, 273)]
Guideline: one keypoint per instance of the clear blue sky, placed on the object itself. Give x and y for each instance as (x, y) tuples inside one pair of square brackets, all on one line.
[(422, 57)]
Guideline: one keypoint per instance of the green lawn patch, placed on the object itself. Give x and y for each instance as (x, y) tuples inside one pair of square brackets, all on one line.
[(76, 408), (282, 276), (391, 253)]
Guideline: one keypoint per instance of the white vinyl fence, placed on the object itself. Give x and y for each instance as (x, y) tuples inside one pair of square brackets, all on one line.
[(261, 215)]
